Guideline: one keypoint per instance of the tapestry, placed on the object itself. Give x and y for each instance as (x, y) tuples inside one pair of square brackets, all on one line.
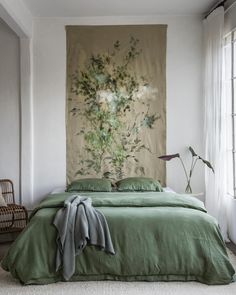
[(116, 101)]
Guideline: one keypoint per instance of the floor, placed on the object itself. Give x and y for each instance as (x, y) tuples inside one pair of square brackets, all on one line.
[(231, 247), (5, 242), (3, 249)]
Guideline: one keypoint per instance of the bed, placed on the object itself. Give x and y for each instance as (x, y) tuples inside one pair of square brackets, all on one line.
[(157, 236)]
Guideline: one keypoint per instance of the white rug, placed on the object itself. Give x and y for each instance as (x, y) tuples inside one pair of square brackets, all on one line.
[(10, 286)]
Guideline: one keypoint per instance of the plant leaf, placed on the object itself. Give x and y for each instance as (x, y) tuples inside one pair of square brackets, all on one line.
[(107, 174), (208, 164), (192, 151), (169, 157)]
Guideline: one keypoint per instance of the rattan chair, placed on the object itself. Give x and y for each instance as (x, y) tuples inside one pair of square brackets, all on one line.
[(14, 217)]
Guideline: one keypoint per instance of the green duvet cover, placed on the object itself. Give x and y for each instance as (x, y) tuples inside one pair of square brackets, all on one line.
[(156, 236)]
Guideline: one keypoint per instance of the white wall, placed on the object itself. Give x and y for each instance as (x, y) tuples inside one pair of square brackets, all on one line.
[(19, 19), (9, 106), (184, 95), (17, 16)]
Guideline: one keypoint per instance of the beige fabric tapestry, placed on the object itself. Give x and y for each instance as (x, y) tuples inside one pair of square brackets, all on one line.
[(116, 101)]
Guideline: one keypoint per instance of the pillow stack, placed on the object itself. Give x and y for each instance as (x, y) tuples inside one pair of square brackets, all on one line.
[(138, 184), (130, 184), (91, 185)]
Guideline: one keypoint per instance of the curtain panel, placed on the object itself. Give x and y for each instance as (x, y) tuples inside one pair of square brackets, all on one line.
[(215, 112)]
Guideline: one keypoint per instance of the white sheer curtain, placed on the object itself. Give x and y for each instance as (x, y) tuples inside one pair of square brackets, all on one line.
[(215, 111)]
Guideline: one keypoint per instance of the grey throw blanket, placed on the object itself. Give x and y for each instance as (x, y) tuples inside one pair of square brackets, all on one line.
[(79, 223)]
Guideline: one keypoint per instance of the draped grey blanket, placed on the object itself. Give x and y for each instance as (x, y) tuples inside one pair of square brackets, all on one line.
[(78, 223)]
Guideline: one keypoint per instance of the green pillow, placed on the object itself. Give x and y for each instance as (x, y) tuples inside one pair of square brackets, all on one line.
[(138, 184), (90, 184)]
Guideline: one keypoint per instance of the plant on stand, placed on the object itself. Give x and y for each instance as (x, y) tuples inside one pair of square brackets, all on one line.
[(188, 174)]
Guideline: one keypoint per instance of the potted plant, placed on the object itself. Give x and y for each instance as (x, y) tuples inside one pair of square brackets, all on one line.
[(188, 174)]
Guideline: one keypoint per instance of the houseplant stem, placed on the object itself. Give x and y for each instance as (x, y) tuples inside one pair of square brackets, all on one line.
[(195, 158), (188, 187), (185, 171)]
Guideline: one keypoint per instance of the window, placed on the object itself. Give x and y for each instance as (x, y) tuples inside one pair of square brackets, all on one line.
[(230, 95)]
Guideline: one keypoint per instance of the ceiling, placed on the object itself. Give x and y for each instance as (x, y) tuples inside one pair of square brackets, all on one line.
[(83, 8)]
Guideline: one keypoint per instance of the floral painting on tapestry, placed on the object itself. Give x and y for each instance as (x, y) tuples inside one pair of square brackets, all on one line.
[(116, 101)]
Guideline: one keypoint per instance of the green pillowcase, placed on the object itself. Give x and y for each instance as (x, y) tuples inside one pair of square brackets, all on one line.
[(138, 184), (90, 184)]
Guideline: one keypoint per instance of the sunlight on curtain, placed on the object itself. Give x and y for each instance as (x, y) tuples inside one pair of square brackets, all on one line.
[(215, 118)]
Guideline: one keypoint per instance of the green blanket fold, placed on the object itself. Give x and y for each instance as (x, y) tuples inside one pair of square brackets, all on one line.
[(127, 199), (156, 236), (79, 224)]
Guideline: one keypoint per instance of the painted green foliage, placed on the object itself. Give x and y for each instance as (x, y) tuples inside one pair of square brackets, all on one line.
[(110, 92)]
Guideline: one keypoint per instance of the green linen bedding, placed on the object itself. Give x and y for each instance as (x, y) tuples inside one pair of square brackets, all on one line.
[(157, 236)]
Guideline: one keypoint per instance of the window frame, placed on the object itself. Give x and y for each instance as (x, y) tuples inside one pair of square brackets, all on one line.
[(232, 80)]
